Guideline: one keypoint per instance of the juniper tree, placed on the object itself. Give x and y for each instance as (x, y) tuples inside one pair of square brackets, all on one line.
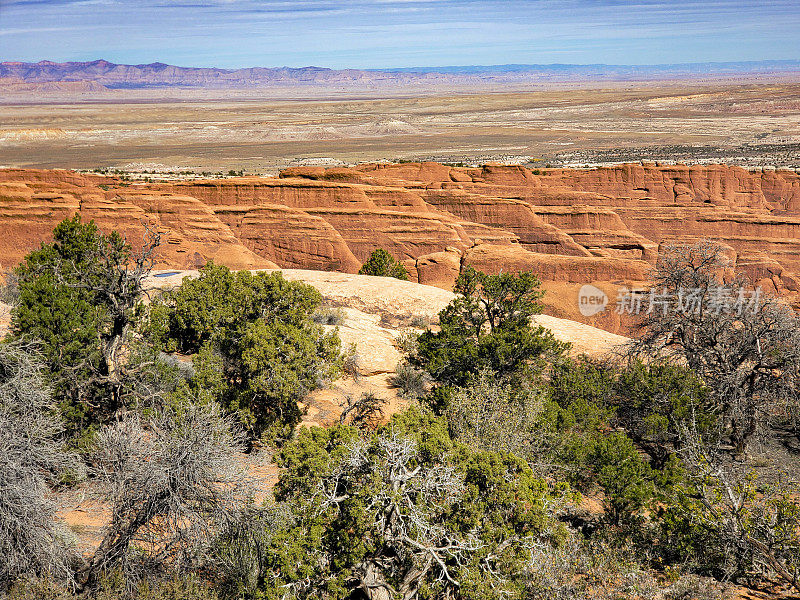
[(488, 327), (383, 264), (255, 345), (743, 345), (727, 523), (78, 298), (406, 513)]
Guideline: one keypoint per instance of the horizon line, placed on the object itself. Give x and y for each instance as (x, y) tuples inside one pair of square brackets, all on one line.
[(785, 61)]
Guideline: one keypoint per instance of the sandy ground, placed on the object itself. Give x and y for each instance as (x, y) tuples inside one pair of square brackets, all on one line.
[(754, 123)]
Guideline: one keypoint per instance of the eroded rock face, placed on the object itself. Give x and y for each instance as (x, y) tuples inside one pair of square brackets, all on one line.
[(191, 234), (602, 226)]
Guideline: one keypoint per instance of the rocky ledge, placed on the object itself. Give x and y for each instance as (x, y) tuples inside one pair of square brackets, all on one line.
[(603, 226)]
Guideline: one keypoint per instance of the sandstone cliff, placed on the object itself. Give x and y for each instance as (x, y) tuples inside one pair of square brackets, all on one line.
[(603, 226)]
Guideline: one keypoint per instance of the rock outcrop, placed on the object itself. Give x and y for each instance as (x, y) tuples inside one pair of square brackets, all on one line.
[(33, 202), (603, 226)]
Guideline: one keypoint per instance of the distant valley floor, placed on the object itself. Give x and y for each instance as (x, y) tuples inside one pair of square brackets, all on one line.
[(753, 124)]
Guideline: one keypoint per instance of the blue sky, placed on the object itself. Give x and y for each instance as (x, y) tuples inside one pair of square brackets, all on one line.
[(398, 33)]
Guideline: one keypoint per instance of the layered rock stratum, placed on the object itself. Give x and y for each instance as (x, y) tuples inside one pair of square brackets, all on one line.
[(603, 226)]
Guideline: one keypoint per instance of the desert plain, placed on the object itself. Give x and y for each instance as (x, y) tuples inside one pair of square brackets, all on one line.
[(753, 122)]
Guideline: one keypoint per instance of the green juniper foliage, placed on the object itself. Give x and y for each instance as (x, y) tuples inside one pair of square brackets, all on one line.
[(488, 327), (383, 264), (78, 299), (655, 401), (257, 350), (409, 511), (580, 388)]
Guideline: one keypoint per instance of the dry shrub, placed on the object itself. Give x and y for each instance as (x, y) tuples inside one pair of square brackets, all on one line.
[(407, 341), (366, 411), (32, 541), (421, 321), (352, 362), (239, 552), (411, 381), (577, 570), (172, 481), (113, 587), (494, 416), (327, 315)]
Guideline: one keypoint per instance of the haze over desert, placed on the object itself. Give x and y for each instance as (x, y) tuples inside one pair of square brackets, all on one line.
[(743, 121)]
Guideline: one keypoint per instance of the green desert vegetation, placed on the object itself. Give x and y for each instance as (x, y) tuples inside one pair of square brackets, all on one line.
[(257, 348), (518, 470), (383, 264)]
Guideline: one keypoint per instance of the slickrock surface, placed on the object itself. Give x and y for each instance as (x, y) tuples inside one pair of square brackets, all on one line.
[(603, 226), (378, 309)]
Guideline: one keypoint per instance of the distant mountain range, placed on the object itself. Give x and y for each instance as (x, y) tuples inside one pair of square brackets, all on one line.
[(115, 76)]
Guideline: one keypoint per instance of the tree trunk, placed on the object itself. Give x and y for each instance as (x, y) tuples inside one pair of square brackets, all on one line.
[(118, 538), (410, 585), (743, 432), (374, 584), (110, 346), (739, 442)]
